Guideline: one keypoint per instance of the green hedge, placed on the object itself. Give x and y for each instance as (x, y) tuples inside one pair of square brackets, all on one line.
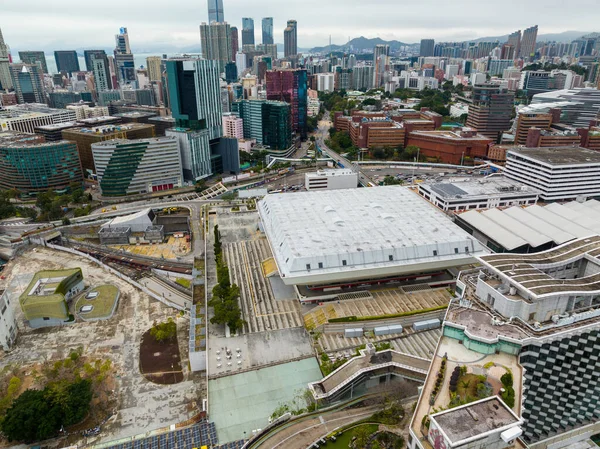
[(349, 319)]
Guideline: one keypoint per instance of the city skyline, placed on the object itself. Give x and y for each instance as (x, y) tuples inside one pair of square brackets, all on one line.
[(176, 29)]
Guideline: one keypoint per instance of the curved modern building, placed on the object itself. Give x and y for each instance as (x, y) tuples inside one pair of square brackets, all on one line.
[(31, 165)]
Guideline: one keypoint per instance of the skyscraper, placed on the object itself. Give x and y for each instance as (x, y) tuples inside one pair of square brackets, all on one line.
[(427, 47), (290, 39), (90, 56), (101, 72), (34, 57), (5, 79), (154, 68), (514, 40), (247, 31), (267, 30), (195, 98), (27, 80), (381, 52), (528, 42), (235, 42), (66, 61), (215, 11), (290, 86), (491, 110), (215, 39), (125, 66)]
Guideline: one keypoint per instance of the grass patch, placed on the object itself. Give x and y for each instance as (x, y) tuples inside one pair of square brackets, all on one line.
[(349, 319), (103, 303), (344, 439), (185, 283)]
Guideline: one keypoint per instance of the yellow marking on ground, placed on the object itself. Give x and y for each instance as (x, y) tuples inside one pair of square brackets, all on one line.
[(269, 267)]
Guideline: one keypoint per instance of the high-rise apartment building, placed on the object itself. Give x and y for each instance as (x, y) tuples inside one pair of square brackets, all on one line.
[(247, 31), (491, 111), (34, 57), (290, 85), (125, 65), (381, 53), (343, 79), (154, 68), (215, 39), (66, 61), (527, 49), (233, 126), (514, 40), (91, 64), (427, 46), (362, 77), (215, 11), (267, 30), (235, 42), (28, 82), (290, 39), (5, 79)]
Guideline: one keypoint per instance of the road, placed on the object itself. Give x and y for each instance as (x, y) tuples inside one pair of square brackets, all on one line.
[(303, 432), (321, 135)]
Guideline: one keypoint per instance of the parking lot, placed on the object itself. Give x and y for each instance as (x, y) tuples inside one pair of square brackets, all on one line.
[(141, 406)]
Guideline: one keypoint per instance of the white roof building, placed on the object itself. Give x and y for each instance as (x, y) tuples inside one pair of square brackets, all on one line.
[(138, 222), (340, 235)]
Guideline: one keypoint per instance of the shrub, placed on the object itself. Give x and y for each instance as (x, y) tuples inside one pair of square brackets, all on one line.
[(507, 379), (164, 331)]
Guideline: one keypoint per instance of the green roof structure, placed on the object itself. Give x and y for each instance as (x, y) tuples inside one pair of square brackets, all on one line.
[(45, 296)]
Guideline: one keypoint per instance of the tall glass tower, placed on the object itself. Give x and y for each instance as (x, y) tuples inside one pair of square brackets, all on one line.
[(247, 31), (215, 11), (267, 30)]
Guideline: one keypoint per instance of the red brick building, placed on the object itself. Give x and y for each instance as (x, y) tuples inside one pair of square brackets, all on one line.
[(450, 147)]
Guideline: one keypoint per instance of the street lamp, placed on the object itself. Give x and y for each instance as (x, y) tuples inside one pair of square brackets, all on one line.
[(415, 164)]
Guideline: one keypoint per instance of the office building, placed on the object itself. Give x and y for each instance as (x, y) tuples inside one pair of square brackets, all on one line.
[(124, 62), (32, 166), (34, 57), (104, 98), (579, 106), (66, 61), (126, 167), (5, 79), (514, 43), (388, 231), (527, 49), (97, 62), (247, 31), (195, 97), (290, 85), (26, 117), (235, 43), (53, 133), (215, 39), (153, 63), (267, 30), (559, 173), (381, 55), (85, 137), (331, 179), (215, 11), (528, 120), (290, 39), (426, 48), (267, 122), (28, 82), (491, 111), (233, 126), (487, 193)]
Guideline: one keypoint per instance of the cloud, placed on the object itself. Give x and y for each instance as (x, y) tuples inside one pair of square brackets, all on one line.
[(39, 24)]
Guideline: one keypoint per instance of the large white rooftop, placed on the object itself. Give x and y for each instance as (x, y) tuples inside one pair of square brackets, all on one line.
[(492, 186), (339, 235)]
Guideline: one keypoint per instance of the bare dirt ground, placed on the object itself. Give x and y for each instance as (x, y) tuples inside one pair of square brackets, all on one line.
[(141, 404)]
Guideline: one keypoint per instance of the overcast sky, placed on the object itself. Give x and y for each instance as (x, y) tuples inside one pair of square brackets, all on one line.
[(152, 24)]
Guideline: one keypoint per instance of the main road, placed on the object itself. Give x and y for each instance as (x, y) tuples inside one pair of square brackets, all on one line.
[(321, 135)]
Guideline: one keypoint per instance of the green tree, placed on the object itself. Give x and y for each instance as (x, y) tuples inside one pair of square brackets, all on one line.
[(164, 331), (362, 434), (392, 181)]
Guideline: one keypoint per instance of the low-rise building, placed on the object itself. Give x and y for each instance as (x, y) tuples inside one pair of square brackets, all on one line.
[(559, 173), (26, 117), (331, 179), (44, 301), (126, 167), (450, 147), (486, 193), (8, 322)]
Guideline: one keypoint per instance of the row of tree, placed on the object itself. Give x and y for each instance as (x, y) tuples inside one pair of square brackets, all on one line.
[(225, 295)]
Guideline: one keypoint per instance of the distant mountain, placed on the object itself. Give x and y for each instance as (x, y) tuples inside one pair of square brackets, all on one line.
[(359, 44), (565, 36)]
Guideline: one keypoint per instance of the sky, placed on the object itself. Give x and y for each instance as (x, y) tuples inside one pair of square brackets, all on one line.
[(166, 25)]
